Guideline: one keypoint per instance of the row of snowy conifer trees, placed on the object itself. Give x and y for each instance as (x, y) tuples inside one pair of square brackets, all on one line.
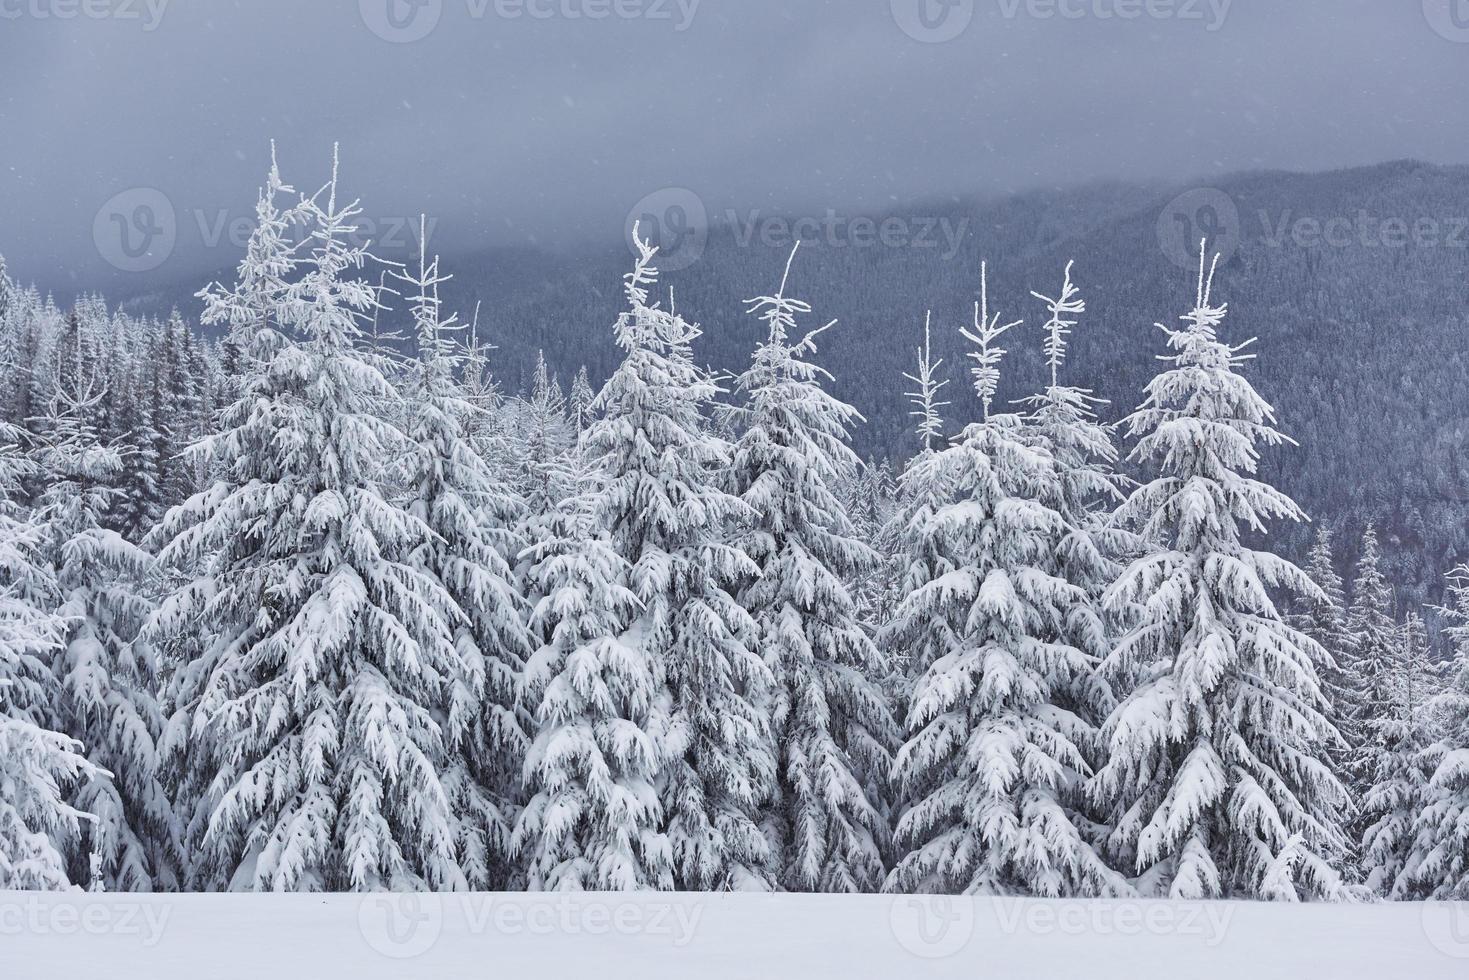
[(406, 633)]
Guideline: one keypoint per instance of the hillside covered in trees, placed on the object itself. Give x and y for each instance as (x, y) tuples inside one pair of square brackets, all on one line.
[(321, 596)]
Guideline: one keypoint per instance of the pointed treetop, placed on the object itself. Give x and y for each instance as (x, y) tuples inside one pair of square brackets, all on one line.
[(987, 330), (780, 312), (1058, 327), (926, 398), (1205, 319)]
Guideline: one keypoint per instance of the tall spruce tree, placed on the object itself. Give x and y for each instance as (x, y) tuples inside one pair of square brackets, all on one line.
[(327, 652), (669, 521), (1438, 865), (1217, 782), (996, 760), (1398, 739), (107, 674), (1371, 672), (594, 819), (830, 721), (471, 516), (39, 766)]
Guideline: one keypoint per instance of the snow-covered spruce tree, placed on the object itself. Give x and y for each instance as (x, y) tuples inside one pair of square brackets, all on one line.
[(918, 497), (258, 328), (832, 728), (1087, 492), (107, 675), (669, 521), (548, 440), (1370, 669), (8, 290), (327, 651), (1323, 618), (872, 504), (1217, 782), (579, 402), (39, 828), (471, 516), (493, 430), (250, 310), (1396, 767), (996, 761), (1438, 866), (594, 819)]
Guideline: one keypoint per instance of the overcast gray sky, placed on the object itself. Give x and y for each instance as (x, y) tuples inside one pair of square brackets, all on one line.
[(544, 121)]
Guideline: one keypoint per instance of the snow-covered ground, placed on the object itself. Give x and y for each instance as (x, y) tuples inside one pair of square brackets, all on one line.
[(48, 936)]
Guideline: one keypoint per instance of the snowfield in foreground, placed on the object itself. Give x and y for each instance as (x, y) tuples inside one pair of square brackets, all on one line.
[(709, 936)]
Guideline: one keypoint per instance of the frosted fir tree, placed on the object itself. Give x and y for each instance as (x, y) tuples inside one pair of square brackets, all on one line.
[(1371, 667), (108, 677), (250, 309), (668, 521), (996, 761), (548, 440), (322, 682), (918, 496), (39, 766), (927, 401), (8, 290), (873, 503), (1438, 864), (1218, 782), (258, 329), (829, 719), (1324, 619), (471, 518), (579, 402), (492, 430), (1088, 490), (1399, 779), (594, 818)]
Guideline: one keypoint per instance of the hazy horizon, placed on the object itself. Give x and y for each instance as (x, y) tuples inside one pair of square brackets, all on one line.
[(545, 123)]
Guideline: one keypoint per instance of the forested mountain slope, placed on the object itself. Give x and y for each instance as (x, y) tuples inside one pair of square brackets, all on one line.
[(1361, 320)]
